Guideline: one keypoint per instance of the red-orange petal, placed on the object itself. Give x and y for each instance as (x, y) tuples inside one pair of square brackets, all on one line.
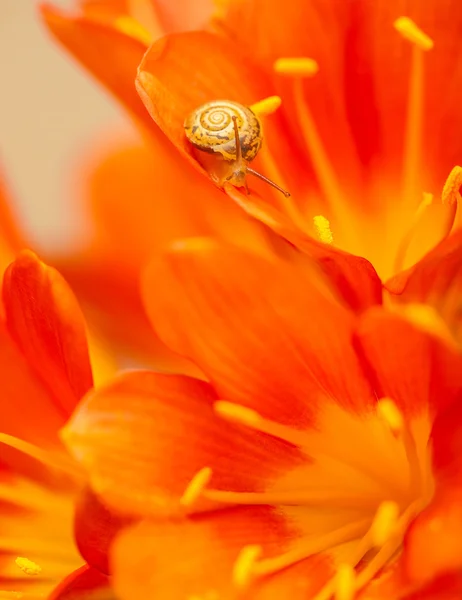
[(433, 543), (267, 333), (182, 71), (144, 437), (194, 558), (435, 280), (354, 278), (95, 527), (406, 364), (45, 321), (83, 583)]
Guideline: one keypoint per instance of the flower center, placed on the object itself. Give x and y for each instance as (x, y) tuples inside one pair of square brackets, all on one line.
[(379, 486)]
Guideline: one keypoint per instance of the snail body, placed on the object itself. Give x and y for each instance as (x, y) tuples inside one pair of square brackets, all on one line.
[(227, 136)]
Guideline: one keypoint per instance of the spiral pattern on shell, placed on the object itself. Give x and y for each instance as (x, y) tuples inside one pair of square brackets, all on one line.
[(210, 128)]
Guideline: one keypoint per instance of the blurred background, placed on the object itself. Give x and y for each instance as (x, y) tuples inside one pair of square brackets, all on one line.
[(57, 123), (51, 111)]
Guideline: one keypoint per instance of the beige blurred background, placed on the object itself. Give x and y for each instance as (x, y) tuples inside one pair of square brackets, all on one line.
[(50, 111), (53, 115)]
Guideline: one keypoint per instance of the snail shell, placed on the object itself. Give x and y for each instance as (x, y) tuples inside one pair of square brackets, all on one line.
[(210, 128)]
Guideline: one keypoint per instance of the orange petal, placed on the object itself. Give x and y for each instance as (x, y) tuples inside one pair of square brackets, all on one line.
[(406, 364), (435, 280), (83, 583), (177, 434), (354, 277), (446, 438), (45, 321), (433, 544), (266, 333), (110, 55), (182, 71), (194, 558)]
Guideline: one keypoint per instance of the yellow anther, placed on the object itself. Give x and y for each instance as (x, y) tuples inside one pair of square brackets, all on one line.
[(267, 106), (243, 567), (384, 524), (390, 413), (323, 230), (300, 67), (133, 29), (345, 583), (196, 486), (236, 413), (451, 189), (409, 30), (28, 566)]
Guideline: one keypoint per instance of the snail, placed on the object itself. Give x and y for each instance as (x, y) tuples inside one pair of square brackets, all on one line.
[(228, 136)]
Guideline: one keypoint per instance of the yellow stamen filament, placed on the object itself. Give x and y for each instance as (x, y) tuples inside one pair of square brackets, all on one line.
[(308, 547), (323, 230), (384, 524), (266, 107), (409, 235), (315, 497), (134, 29), (302, 67), (55, 460), (243, 569), (413, 137), (409, 30), (299, 69), (389, 549), (252, 419), (345, 583), (195, 487), (427, 318), (390, 413), (28, 566)]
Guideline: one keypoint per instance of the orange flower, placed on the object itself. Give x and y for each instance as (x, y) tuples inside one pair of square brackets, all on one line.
[(364, 160), (45, 371), (318, 460)]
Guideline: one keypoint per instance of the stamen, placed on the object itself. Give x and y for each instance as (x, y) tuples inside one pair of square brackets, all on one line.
[(345, 583), (451, 189), (134, 29), (315, 497), (311, 546), (413, 137), (452, 197), (195, 487), (390, 413), (252, 419), (389, 549), (266, 107), (323, 229), (54, 460), (409, 30), (299, 69), (28, 566), (302, 67), (408, 236), (244, 565), (384, 523)]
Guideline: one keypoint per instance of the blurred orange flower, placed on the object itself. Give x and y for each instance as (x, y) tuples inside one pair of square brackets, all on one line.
[(45, 371), (320, 459)]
